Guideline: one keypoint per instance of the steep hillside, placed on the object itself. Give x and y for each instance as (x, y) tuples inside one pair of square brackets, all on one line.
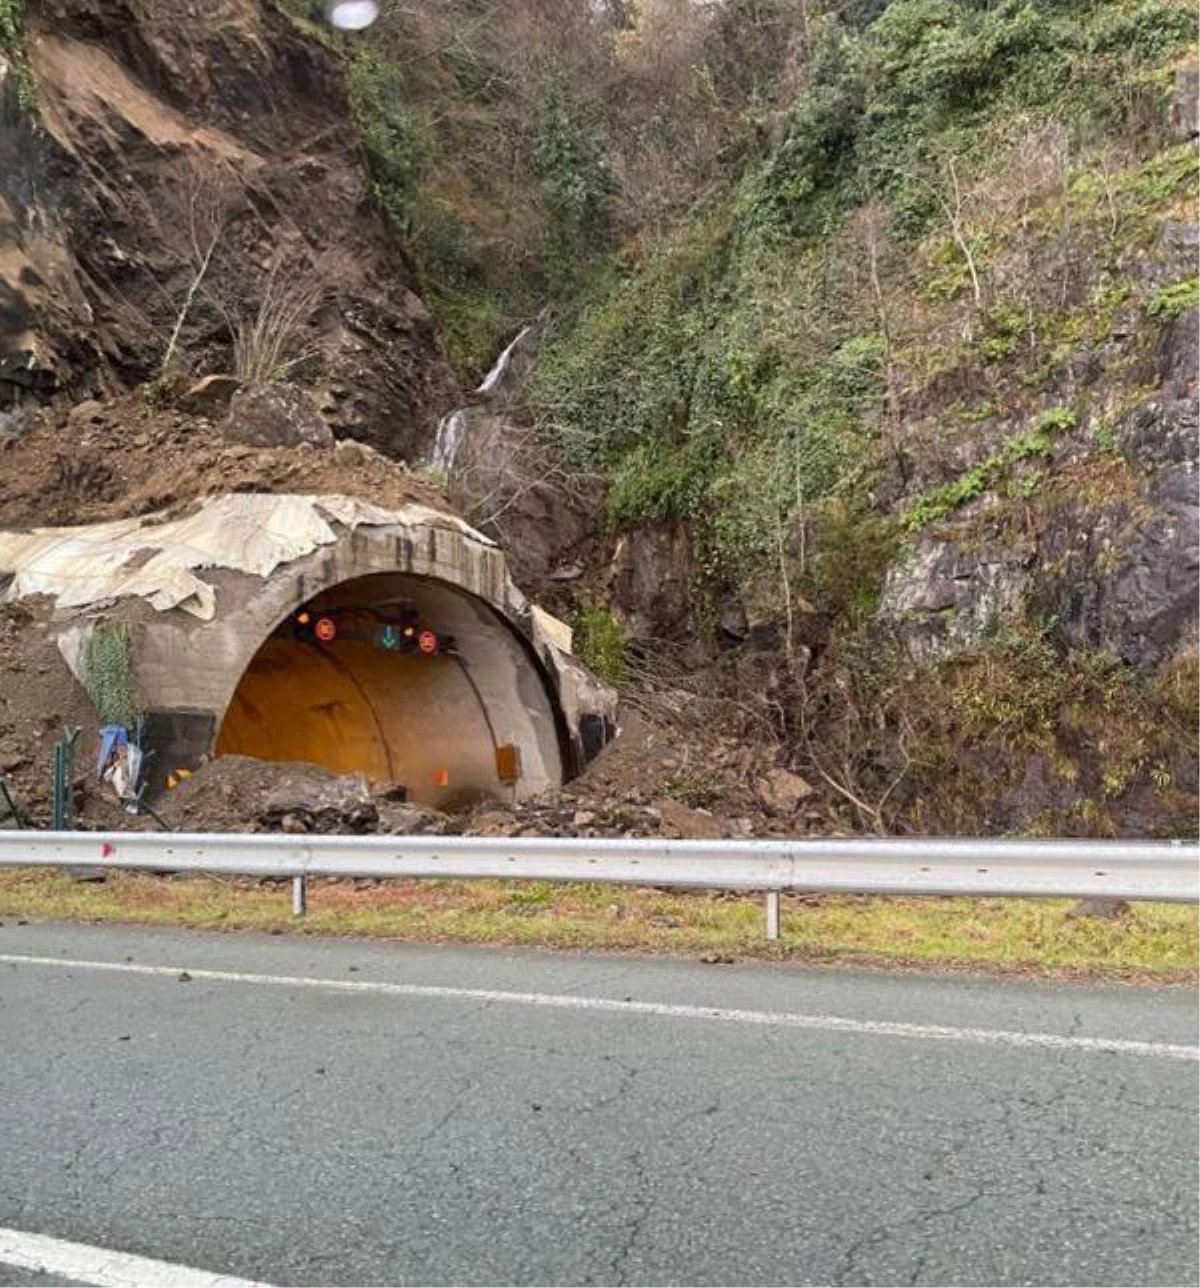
[(182, 193), (917, 399), (198, 294), (852, 409), (890, 380)]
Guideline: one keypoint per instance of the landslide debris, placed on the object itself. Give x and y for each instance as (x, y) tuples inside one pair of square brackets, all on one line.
[(183, 197), (118, 460), (39, 697), (238, 793)]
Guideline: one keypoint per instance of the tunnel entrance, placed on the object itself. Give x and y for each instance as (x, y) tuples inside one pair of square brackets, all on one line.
[(406, 680)]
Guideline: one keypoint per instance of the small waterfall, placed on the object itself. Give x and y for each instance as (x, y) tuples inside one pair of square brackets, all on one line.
[(505, 378), (495, 377), (451, 431)]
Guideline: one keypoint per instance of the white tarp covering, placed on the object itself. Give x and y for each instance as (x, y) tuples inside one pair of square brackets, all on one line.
[(156, 558), (550, 630)]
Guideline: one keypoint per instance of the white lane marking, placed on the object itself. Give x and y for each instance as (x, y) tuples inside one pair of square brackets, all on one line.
[(103, 1268), (574, 1002)]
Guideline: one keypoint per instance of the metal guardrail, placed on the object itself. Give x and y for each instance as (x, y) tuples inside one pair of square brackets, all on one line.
[(1152, 870)]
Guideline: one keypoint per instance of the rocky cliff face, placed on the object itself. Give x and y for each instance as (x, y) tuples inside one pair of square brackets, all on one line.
[(1095, 528), (181, 193)]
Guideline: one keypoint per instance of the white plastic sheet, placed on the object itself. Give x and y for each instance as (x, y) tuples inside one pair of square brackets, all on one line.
[(156, 558)]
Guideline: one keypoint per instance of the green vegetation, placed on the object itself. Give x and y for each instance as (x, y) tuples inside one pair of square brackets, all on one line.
[(108, 674), (1037, 444), (11, 34), (1171, 301), (1152, 941), (12, 46), (600, 643), (799, 262), (949, 745), (402, 149), (485, 128), (576, 186), (754, 363)]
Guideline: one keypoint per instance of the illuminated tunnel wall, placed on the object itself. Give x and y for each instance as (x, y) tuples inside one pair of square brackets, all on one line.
[(429, 723)]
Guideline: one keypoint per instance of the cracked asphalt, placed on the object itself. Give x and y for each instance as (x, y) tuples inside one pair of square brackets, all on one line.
[(306, 1137)]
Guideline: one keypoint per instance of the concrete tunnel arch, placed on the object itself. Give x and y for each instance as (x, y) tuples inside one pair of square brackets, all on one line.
[(431, 723), (205, 593)]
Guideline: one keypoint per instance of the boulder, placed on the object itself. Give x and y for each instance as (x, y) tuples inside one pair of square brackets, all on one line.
[(782, 791), (1180, 235), (943, 594), (1175, 357), (1185, 115), (318, 802), (88, 412), (651, 578), (276, 415), (690, 824)]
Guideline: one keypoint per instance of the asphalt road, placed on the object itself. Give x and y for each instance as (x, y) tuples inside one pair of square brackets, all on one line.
[(298, 1134)]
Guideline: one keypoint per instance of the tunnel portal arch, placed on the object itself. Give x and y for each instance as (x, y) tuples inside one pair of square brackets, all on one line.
[(200, 592), (204, 591)]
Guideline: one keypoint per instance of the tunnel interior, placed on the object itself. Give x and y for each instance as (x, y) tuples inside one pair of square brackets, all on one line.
[(406, 680)]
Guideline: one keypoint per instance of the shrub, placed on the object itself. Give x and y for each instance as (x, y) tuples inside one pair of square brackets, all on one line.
[(12, 45), (1038, 443), (1148, 32), (600, 643), (815, 159), (11, 20), (391, 133), (1172, 301), (657, 482), (576, 184), (108, 674)]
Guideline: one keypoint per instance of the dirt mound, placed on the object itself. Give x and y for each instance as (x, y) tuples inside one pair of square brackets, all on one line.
[(240, 794), (119, 461), (39, 698), (652, 781)]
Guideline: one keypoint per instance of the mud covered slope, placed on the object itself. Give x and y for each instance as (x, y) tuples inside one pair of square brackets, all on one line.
[(182, 193)]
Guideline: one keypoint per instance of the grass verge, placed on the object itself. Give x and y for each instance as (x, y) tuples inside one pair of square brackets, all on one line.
[(1157, 942)]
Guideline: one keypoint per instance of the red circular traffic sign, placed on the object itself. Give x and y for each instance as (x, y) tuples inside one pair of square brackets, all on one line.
[(427, 642), (325, 629)]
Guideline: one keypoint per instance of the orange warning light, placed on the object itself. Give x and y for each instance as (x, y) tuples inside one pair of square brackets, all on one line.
[(441, 778), (409, 632), (304, 618), (325, 629), (427, 642)]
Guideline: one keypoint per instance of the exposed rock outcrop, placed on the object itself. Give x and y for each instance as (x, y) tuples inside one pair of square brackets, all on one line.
[(1185, 110), (651, 581), (1117, 572)]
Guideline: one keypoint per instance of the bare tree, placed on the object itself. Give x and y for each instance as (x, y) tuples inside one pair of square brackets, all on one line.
[(950, 199), (204, 209)]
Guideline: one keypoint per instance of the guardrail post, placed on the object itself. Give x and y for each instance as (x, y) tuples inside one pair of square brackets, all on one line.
[(773, 914), (299, 896), (64, 764)]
